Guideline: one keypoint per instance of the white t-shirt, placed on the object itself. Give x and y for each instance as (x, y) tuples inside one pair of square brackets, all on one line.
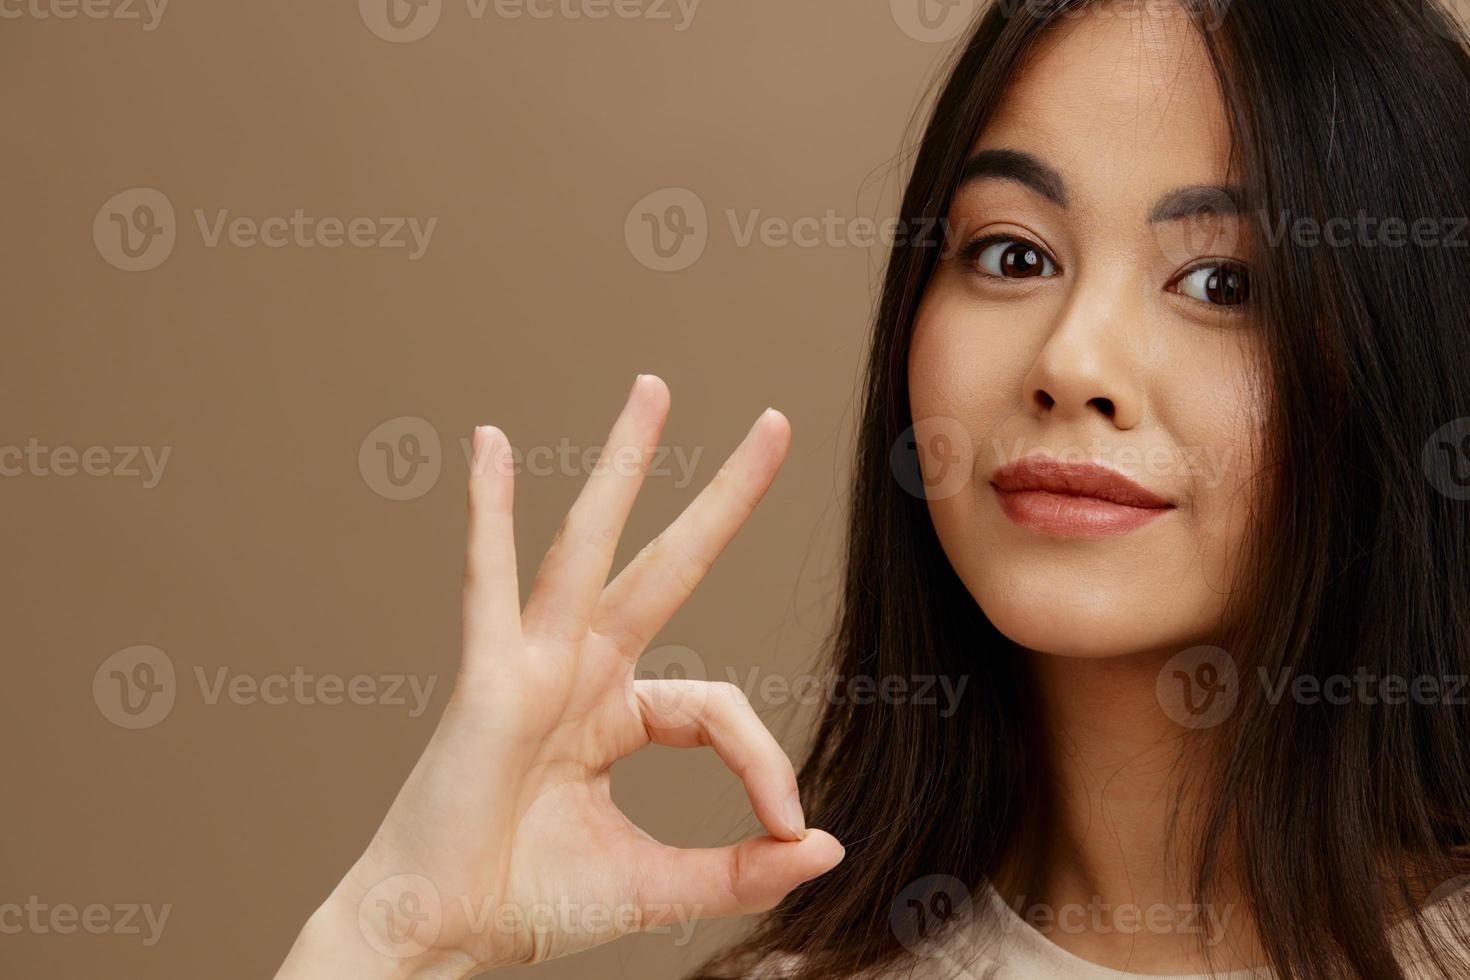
[(1007, 947)]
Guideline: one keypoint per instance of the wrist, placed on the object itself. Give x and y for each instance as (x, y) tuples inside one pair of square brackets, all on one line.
[(343, 937)]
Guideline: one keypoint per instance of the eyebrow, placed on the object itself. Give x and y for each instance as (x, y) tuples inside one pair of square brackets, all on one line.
[(1027, 170), (1023, 168), (1201, 199)]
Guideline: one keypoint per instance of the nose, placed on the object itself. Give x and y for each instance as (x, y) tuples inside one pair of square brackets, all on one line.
[(1084, 368)]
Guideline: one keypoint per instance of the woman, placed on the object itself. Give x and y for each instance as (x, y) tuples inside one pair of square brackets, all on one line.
[(1165, 443)]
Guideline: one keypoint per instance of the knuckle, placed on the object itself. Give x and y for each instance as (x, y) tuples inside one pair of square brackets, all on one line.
[(654, 545), (622, 636), (599, 538), (686, 568), (734, 883), (576, 535), (730, 693)]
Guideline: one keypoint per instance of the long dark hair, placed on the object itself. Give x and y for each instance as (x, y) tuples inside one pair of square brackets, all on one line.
[(1335, 817)]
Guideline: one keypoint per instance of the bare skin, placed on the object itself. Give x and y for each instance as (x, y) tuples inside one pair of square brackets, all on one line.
[(1109, 351), (509, 810)]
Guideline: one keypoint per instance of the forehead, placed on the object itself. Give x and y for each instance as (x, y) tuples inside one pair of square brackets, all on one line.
[(1121, 98)]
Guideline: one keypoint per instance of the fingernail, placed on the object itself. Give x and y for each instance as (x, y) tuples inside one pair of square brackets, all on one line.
[(795, 819)]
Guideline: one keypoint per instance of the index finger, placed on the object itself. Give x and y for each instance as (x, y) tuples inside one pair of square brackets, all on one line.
[(691, 714), (647, 593)]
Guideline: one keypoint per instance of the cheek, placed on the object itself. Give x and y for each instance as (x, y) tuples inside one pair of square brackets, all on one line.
[(1219, 418), (961, 370), (965, 381)]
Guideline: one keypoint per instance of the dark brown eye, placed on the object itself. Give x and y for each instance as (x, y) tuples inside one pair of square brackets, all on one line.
[(1010, 258), (1218, 285)]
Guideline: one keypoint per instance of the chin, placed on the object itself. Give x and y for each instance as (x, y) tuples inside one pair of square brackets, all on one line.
[(1062, 635), (1068, 618)]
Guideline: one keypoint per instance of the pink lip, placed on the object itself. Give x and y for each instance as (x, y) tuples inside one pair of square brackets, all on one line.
[(1074, 499)]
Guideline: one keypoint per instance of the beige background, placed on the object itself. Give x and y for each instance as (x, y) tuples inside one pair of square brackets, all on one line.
[(264, 548)]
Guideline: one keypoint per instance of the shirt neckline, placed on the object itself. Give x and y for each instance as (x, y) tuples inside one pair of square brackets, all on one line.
[(1033, 942), (1073, 967)]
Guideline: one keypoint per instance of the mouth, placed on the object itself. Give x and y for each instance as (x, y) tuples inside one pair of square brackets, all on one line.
[(1074, 499)]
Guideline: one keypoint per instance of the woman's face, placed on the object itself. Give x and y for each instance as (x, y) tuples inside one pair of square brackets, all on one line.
[(1085, 335)]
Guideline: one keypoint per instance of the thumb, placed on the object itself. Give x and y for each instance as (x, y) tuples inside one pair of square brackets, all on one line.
[(704, 883)]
